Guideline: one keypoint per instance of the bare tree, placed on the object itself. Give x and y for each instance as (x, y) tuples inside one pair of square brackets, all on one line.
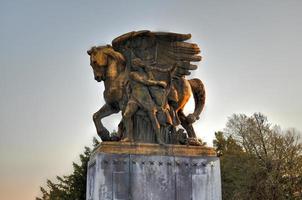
[(278, 170)]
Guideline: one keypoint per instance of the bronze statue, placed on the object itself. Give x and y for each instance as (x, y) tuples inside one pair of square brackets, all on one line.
[(144, 77)]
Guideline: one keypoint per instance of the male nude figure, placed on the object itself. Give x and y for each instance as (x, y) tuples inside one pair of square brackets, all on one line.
[(140, 98)]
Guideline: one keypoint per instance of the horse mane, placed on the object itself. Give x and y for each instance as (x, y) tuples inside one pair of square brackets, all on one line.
[(108, 50)]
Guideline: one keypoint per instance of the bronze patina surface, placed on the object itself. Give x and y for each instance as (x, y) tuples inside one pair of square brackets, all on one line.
[(154, 149), (145, 77)]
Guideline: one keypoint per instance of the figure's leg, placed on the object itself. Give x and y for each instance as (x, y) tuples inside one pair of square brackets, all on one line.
[(173, 107), (105, 111), (131, 108), (121, 129), (156, 126)]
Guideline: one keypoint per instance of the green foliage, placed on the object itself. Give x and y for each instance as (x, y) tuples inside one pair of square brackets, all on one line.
[(73, 186), (258, 160), (234, 166)]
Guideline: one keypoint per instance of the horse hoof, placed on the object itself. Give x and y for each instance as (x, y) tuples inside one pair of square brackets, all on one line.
[(194, 142), (115, 138), (104, 134)]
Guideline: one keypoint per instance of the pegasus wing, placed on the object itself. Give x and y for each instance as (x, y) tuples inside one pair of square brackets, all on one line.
[(173, 49), (167, 50)]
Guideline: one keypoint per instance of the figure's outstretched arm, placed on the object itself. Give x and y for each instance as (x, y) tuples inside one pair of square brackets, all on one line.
[(142, 78)]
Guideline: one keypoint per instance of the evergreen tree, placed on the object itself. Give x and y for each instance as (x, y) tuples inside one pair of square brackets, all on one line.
[(73, 186)]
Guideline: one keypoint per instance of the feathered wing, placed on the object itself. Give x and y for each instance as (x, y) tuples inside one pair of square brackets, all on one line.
[(173, 49), (166, 50)]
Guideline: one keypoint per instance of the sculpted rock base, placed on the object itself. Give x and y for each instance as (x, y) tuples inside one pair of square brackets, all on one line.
[(136, 171)]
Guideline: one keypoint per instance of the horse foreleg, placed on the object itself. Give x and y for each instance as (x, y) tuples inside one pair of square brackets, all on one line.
[(185, 122), (105, 111)]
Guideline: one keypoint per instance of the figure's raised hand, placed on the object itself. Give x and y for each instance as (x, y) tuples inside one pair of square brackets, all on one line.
[(162, 84)]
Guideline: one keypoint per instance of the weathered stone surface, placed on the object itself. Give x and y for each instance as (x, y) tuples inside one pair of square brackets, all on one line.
[(154, 149), (152, 177), (120, 176)]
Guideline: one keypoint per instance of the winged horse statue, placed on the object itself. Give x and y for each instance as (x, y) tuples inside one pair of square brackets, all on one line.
[(144, 75)]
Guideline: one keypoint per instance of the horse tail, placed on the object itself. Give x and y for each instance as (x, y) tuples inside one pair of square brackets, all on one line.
[(199, 95)]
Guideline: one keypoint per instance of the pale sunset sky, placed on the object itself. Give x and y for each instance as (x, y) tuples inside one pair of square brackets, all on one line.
[(251, 63)]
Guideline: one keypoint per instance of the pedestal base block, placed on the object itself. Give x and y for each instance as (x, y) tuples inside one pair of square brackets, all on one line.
[(153, 172)]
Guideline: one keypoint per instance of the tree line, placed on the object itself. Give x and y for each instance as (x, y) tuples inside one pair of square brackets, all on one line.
[(259, 161)]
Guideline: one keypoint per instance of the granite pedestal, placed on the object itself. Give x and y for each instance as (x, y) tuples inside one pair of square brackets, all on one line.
[(131, 171)]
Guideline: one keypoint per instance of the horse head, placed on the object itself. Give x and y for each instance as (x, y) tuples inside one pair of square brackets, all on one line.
[(105, 62)]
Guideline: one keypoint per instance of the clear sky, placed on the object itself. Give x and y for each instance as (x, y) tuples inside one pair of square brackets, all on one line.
[(252, 63)]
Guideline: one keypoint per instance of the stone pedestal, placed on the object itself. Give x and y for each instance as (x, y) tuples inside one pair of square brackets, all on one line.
[(131, 171)]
